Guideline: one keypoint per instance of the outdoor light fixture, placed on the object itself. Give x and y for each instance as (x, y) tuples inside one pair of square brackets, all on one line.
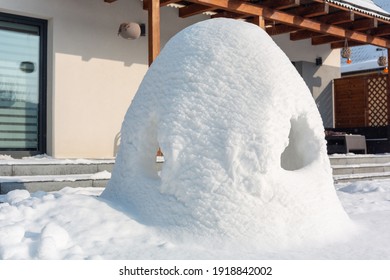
[(319, 61), (382, 61), (131, 30)]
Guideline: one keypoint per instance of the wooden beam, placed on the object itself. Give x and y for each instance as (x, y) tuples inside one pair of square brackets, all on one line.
[(362, 24), (259, 21), (338, 17), (154, 29), (162, 3), (314, 10), (193, 9), (381, 31), (340, 44), (320, 40), (227, 14), (388, 87), (294, 20), (303, 34), (280, 29), (346, 8), (281, 4)]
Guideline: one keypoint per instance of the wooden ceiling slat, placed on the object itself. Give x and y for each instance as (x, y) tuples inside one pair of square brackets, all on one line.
[(338, 17), (303, 34), (194, 9), (280, 29), (320, 40), (227, 14), (363, 24), (281, 4), (167, 2), (381, 31), (162, 3), (340, 44), (313, 10)]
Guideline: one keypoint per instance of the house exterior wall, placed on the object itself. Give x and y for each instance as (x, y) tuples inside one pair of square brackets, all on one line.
[(93, 74)]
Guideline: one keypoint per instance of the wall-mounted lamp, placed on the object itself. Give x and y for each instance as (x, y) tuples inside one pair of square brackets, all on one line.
[(319, 61), (131, 30)]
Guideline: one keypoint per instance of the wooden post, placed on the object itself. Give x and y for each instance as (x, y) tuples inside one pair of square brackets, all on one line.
[(259, 20), (153, 29), (388, 89)]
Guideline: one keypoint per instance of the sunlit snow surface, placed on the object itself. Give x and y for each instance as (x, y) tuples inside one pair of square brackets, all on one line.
[(76, 224)]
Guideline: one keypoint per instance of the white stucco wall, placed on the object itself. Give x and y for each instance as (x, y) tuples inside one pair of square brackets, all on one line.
[(319, 79), (92, 73), (303, 50)]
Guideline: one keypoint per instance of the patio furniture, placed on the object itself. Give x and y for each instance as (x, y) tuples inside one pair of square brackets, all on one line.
[(346, 143)]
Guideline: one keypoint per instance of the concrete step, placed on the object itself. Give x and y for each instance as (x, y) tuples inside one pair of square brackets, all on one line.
[(52, 175), (358, 169), (359, 159), (53, 182), (18, 168), (360, 177), (349, 168)]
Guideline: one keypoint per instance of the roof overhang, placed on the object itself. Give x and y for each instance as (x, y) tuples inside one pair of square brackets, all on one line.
[(322, 21)]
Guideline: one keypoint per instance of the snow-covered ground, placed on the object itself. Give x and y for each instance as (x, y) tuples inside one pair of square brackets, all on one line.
[(77, 224)]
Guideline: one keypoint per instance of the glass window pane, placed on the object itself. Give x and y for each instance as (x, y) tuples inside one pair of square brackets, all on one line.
[(19, 86)]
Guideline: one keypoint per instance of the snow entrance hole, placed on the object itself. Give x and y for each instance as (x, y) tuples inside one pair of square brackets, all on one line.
[(152, 158), (302, 147)]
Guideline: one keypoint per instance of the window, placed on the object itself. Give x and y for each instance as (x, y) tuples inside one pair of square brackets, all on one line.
[(22, 85)]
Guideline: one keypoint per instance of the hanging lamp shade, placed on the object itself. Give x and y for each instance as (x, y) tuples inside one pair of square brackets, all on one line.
[(382, 60), (346, 52)]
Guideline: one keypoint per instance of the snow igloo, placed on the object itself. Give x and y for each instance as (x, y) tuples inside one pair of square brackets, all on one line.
[(243, 144)]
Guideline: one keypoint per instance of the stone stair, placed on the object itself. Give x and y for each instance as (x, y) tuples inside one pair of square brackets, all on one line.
[(350, 168), (53, 175)]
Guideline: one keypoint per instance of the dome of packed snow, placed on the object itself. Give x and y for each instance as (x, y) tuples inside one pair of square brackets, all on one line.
[(245, 158)]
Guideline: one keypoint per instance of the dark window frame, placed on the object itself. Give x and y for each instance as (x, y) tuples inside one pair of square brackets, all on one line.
[(42, 114)]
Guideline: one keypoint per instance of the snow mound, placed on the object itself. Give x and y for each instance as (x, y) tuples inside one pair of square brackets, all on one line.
[(11, 234), (361, 187), (54, 238), (243, 143), (17, 196)]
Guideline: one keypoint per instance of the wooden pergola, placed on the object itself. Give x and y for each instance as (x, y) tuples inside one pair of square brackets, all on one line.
[(322, 21)]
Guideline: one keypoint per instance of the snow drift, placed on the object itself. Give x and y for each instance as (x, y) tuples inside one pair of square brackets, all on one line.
[(243, 142)]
